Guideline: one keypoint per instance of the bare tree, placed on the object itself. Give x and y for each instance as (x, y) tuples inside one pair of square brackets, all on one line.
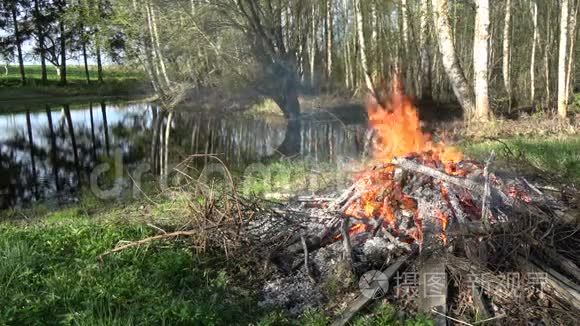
[(362, 45), (328, 30), (461, 89)]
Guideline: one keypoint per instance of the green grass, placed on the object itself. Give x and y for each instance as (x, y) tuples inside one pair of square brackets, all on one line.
[(49, 274), (118, 82), (558, 157)]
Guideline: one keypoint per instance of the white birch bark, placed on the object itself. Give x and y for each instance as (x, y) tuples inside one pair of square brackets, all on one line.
[(461, 89), (571, 52), (506, 48), (480, 59), (362, 46), (425, 75), (329, 26), (534, 8), (562, 96)]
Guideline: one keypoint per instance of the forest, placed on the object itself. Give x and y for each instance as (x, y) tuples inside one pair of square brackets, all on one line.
[(289, 162)]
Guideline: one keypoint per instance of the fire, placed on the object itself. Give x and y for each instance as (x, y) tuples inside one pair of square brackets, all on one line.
[(398, 133), (398, 129)]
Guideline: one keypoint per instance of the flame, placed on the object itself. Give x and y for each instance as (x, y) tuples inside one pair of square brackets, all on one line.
[(398, 129)]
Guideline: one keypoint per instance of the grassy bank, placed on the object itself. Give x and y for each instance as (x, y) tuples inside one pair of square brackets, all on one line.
[(557, 158), (117, 82)]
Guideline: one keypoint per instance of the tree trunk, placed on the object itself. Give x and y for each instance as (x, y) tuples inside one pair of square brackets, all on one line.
[(99, 63), (328, 27), (312, 46), (562, 96), (86, 62), (506, 49), (290, 106), (480, 59), (62, 53), (157, 47), (40, 35), (362, 46), (461, 88), (18, 47), (533, 55), (547, 47), (571, 52), (425, 76)]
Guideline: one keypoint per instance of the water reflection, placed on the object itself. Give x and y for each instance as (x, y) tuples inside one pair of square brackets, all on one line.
[(49, 154)]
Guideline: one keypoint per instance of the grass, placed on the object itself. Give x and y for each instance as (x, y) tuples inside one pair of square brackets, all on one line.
[(118, 82), (558, 157)]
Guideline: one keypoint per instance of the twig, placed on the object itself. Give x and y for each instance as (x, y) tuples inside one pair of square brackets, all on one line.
[(450, 318), (490, 319), (150, 239), (306, 265), (156, 228)]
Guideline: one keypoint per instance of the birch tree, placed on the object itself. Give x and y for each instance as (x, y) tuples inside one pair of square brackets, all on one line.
[(461, 89), (562, 95), (480, 59), (506, 48), (534, 11), (362, 45)]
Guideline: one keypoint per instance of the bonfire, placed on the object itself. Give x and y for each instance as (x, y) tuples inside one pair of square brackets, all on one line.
[(421, 207)]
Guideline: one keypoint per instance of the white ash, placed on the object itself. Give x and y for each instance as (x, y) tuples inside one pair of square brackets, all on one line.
[(295, 293), (377, 250)]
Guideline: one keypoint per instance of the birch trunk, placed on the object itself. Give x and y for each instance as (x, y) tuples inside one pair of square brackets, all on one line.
[(571, 51), (562, 96), (166, 147), (461, 89), (328, 27), (362, 46), (425, 76), (547, 44), (158, 47), (312, 46), (480, 59), (533, 55), (506, 48)]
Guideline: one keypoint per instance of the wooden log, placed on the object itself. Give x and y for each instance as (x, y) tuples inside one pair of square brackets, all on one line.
[(361, 301), (472, 186), (433, 289)]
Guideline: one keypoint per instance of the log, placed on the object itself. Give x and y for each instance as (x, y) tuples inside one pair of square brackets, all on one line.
[(361, 301), (472, 186)]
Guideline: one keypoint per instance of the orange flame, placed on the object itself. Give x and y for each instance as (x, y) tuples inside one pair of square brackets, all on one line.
[(398, 129)]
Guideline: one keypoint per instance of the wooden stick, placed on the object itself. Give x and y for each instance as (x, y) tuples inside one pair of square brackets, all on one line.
[(306, 265)]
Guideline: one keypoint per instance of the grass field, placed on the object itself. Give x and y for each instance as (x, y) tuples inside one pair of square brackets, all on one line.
[(117, 82)]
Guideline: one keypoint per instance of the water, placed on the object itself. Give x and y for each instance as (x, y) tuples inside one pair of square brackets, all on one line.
[(49, 154)]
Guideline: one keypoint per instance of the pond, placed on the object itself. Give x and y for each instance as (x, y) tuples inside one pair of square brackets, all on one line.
[(48, 154)]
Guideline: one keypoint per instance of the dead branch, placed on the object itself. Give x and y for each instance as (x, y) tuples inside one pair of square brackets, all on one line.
[(150, 239), (306, 264)]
